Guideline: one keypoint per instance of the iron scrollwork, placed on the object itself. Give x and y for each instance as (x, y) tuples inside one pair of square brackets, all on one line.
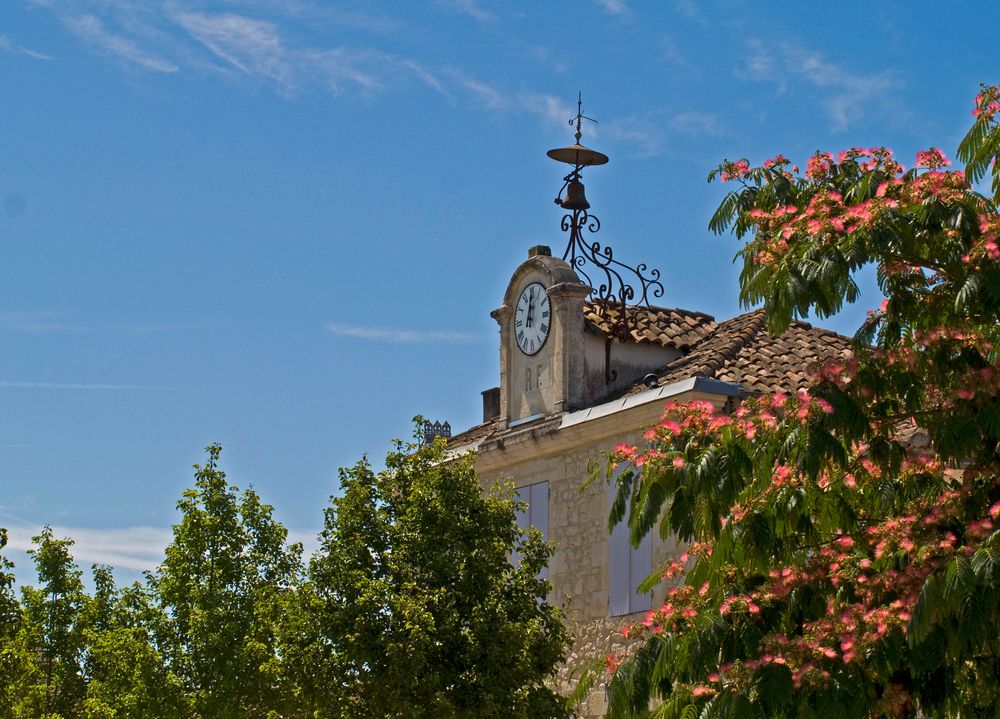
[(612, 296)]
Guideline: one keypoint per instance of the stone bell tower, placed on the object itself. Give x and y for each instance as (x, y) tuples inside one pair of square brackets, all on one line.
[(537, 382)]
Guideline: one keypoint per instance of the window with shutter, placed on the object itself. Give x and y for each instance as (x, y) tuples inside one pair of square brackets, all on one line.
[(628, 565), (534, 514)]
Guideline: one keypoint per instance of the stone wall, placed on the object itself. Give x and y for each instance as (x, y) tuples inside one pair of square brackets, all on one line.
[(578, 523)]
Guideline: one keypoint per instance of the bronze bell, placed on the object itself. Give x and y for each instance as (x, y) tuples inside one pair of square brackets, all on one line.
[(575, 199)]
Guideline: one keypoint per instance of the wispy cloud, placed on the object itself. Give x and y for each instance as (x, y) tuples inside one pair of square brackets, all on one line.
[(388, 334), (643, 133), (550, 109), (704, 124), (301, 47), (9, 46), (92, 31), (136, 548), (613, 7), (472, 8), (847, 94), (78, 385), (689, 9), (253, 47), (481, 93), (672, 53)]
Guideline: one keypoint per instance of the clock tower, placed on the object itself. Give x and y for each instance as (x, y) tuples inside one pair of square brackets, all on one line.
[(541, 339)]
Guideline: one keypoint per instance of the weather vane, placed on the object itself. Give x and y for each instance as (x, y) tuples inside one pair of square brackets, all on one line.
[(612, 296)]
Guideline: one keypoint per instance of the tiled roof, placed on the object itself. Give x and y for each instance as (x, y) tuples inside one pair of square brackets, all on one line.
[(738, 350), (666, 326), (742, 350), (476, 434)]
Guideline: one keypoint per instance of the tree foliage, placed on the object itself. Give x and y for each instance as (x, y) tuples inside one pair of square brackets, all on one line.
[(219, 588), (413, 607), (843, 555), (53, 632)]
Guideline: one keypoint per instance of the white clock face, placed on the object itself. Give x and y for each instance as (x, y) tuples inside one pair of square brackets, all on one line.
[(532, 318)]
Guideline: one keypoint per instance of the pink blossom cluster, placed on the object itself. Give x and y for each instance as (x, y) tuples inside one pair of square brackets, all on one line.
[(932, 158), (943, 186), (777, 161), (984, 381), (819, 165), (841, 371), (825, 215), (669, 440), (828, 216), (987, 246), (735, 170), (987, 104), (878, 572)]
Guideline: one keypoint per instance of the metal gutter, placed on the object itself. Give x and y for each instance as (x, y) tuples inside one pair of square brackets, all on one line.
[(694, 384)]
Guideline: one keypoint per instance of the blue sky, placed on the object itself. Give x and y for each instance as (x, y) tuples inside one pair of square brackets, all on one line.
[(282, 224)]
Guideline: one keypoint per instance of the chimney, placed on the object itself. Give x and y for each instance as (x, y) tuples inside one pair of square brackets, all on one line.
[(491, 404)]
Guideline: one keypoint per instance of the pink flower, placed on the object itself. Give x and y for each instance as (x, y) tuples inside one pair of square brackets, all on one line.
[(670, 427), (932, 158), (625, 450), (734, 170), (819, 165), (781, 474), (776, 160), (678, 462)]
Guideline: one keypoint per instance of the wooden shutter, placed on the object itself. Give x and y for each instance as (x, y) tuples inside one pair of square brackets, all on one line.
[(538, 509), (640, 565), (627, 565), (536, 514)]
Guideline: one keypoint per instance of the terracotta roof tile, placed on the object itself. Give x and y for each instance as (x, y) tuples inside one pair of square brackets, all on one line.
[(742, 350), (476, 433), (666, 326)]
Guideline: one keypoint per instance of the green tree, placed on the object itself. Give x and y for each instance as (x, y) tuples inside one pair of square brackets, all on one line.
[(218, 587), (127, 677), (52, 634), (413, 607), (13, 660), (844, 559)]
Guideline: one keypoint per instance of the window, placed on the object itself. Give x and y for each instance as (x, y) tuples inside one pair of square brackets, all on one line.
[(535, 514), (628, 565)]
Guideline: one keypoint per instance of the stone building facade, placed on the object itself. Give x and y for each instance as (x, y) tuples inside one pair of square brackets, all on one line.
[(563, 404)]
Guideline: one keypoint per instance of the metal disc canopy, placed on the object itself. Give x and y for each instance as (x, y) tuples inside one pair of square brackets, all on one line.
[(578, 156)]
